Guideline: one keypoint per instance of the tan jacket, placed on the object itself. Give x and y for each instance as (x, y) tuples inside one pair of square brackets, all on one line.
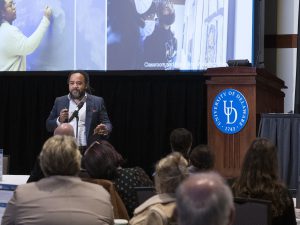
[(59, 200), (158, 210)]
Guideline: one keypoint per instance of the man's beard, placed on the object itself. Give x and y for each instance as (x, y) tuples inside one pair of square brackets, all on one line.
[(76, 94)]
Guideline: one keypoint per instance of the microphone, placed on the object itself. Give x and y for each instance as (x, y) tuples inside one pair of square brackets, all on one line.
[(75, 113)]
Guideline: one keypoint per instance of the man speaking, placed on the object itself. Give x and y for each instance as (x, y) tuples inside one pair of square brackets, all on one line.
[(85, 112)]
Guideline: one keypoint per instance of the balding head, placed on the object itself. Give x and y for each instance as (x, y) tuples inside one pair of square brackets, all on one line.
[(204, 199), (64, 129)]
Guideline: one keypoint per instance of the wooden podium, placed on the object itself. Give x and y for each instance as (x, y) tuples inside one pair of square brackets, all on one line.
[(262, 91)]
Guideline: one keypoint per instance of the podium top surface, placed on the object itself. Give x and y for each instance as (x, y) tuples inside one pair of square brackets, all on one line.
[(232, 70), (252, 74)]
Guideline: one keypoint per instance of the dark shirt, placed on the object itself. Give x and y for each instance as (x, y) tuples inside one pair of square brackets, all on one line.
[(288, 215), (160, 47), (280, 215), (36, 173), (127, 179), (123, 36)]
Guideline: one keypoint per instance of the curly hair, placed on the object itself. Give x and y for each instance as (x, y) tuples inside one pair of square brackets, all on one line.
[(170, 172), (259, 176)]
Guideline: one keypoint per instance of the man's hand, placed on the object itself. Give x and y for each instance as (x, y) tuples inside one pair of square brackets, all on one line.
[(48, 12), (63, 115), (101, 129)]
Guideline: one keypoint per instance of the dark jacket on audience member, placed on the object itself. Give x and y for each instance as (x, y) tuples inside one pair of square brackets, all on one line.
[(126, 180)]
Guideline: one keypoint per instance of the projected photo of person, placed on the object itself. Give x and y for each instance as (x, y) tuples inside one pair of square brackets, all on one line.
[(76, 38), (14, 45), (148, 17), (124, 38), (160, 48), (55, 51), (124, 34)]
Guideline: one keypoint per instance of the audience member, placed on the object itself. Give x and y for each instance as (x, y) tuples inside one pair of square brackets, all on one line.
[(64, 129), (61, 197), (102, 161), (181, 140), (201, 158), (259, 179), (159, 209), (37, 173), (204, 199)]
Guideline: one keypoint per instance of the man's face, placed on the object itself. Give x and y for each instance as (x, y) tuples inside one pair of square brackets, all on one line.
[(9, 11), (77, 86)]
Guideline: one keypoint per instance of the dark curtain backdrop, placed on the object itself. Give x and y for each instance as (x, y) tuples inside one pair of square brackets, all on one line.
[(143, 106), (297, 85)]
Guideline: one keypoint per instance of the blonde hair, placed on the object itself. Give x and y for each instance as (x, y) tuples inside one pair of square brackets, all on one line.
[(60, 156), (170, 172)]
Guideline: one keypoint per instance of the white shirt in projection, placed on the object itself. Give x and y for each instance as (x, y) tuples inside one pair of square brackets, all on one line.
[(14, 45)]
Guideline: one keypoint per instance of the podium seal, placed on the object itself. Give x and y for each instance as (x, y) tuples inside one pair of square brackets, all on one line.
[(230, 111)]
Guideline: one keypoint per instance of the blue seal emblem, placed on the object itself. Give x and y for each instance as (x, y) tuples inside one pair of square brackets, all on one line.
[(230, 111)]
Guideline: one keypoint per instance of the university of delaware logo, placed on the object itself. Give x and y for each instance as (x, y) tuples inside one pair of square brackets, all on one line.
[(230, 111)]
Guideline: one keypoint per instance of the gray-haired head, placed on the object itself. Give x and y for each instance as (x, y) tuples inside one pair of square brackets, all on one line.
[(204, 199)]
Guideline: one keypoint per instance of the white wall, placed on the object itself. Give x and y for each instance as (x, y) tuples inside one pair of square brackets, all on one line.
[(287, 23)]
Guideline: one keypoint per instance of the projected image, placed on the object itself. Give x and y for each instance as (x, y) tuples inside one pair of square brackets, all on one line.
[(145, 39), (74, 39), (125, 34)]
